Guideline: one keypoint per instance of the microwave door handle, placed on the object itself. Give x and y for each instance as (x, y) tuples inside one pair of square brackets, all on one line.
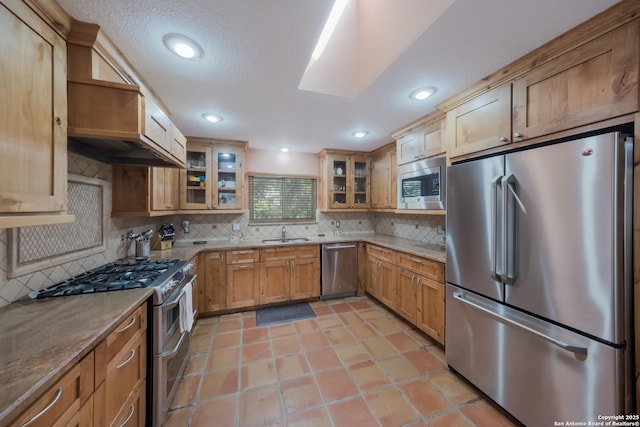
[(494, 227)]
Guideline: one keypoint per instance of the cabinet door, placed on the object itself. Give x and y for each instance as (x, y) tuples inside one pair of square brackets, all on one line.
[(431, 308), (358, 187), (387, 284), (339, 168), (243, 285), (213, 283), (432, 140), (409, 148), (393, 182), (178, 144), (195, 191), (373, 283), (33, 113), (228, 178), (305, 278), (157, 126), (407, 294), (158, 189), (481, 123), (593, 82), (380, 177), (274, 281)]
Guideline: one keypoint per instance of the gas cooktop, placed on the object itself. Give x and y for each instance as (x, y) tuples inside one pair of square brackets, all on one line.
[(119, 275)]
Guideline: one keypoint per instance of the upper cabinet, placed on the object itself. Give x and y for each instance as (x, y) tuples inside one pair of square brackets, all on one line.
[(144, 191), (480, 123), (585, 77), (112, 116), (594, 82), (421, 139), (33, 119), (213, 177), (345, 180), (384, 178)]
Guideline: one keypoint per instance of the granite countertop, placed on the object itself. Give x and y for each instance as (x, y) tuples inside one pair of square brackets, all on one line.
[(186, 250), (41, 340)]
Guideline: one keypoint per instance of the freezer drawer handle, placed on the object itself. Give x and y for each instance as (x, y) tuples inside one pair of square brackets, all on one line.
[(580, 352)]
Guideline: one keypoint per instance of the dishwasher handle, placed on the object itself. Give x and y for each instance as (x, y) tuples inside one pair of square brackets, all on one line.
[(335, 247)]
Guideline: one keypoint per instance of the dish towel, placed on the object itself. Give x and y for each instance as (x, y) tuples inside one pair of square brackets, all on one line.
[(186, 309)]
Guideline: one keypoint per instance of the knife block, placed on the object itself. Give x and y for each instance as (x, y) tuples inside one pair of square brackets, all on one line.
[(157, 244)]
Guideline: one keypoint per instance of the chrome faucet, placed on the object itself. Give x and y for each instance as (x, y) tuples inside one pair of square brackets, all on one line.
[(284, 233)]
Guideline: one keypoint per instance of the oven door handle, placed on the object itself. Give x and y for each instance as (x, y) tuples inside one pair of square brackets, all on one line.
[(170, 305), (169, 354)]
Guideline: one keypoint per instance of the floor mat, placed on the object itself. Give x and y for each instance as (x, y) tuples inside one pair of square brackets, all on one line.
[(283, 314)]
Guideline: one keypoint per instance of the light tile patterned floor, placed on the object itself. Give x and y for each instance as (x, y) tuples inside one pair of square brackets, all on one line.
[(355, 364)]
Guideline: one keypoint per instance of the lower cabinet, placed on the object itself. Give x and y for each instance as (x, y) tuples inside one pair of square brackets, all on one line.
[(411, 286), (106, 388), (243, 278), (213, 287), (247, 278), (381, 275)]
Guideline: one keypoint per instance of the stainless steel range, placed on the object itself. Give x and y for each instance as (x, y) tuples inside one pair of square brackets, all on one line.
[(170, 281)]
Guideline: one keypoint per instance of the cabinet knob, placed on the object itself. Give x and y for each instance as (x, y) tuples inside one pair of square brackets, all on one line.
[(58, 120), (208, 206), (517, 135), (503, 139)]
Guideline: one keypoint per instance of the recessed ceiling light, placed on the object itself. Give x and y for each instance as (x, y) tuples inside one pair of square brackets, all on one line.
[(284, 149), (183, 46), (360, 133), (422, 93), (213, 118)]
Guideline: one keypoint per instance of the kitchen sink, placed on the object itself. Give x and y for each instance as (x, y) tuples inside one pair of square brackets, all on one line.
[(281, 241)]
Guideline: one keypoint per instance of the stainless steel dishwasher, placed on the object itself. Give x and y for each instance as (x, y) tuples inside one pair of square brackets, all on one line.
[(339, 270)]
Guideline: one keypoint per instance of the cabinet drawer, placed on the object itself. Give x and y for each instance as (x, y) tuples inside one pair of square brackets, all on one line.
[(133, 323), (61, 404), (290, 252), (126, 371), (242, 257), (383, 254), (425, 267), (132, 413)]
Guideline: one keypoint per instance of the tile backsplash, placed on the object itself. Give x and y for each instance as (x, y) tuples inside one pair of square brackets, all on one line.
[(422, 228)]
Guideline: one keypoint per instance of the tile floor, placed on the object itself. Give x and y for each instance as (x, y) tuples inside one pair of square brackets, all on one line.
[(355, 364)]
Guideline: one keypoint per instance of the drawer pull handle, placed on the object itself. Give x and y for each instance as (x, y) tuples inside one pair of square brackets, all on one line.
[(132, 410), (133, 354), (49, 406), (133, 321)]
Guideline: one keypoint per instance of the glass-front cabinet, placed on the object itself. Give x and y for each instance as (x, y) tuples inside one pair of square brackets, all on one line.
[(346, 180), (213, 177)]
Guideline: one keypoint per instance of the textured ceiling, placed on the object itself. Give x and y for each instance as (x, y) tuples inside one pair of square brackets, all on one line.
[(256, 52)]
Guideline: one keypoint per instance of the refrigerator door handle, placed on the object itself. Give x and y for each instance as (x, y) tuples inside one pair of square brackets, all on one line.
[(508, 230), (494, 228), (580, 352)]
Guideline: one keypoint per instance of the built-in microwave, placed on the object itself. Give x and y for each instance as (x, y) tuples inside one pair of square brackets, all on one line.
[(422, 184)]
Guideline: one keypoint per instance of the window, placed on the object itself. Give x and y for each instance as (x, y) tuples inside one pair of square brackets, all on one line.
[(282, 198)]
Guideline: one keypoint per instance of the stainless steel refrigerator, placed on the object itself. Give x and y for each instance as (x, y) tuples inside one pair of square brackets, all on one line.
[(539, 278)]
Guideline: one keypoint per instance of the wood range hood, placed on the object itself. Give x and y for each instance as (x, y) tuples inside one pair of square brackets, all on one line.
[(114, 117)]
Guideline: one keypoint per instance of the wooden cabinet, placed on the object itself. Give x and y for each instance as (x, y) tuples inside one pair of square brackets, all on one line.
[(594, 82), (213, 282), (289, 273), (407, 294), (424, 139), (480, 123), (384, 178), (66, 402), (144, 191), (165, 194), (243, 278), (105, 388), (213, 177), (345, 181), (424, 299), (33, 119), (411, 286), (431, 308), (121, 371), (382, 274)]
